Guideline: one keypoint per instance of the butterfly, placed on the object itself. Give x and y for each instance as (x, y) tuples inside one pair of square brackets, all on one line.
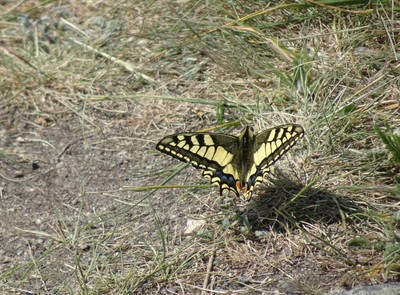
[(234, 163)]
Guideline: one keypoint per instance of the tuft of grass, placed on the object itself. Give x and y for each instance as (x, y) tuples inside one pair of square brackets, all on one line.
[(391, 140)]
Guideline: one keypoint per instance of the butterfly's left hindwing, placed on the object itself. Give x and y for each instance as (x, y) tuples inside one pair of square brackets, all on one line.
[(213, 153), (234, 163)]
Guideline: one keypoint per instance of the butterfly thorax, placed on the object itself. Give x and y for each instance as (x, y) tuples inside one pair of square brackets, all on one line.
[(244, 159)]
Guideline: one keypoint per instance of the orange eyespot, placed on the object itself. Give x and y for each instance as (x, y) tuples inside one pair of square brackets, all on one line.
[(238, 186)]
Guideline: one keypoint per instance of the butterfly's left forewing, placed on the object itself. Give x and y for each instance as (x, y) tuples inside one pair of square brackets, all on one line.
[(213, 153)]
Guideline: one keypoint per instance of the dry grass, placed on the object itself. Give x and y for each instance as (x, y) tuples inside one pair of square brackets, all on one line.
[(89, 88)]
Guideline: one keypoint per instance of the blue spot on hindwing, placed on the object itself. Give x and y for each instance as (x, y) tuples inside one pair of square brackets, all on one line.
[(252, 179), (225, 178)]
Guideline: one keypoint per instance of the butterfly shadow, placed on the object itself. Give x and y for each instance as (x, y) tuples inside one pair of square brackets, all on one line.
[(286, 205)]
